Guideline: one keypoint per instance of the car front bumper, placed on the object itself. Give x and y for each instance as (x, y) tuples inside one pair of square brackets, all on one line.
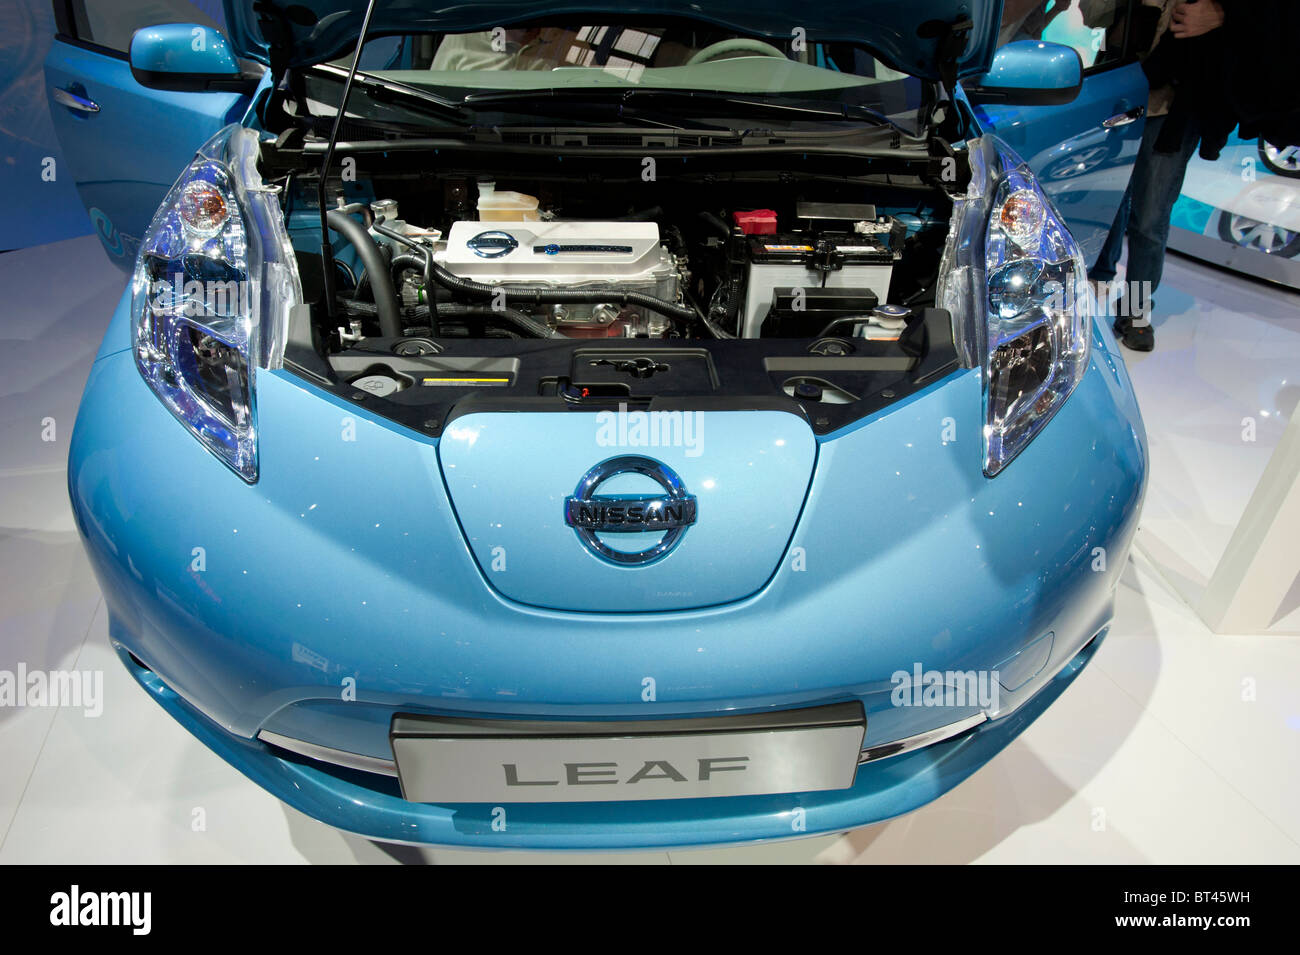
[(371, 806), (339, 590)]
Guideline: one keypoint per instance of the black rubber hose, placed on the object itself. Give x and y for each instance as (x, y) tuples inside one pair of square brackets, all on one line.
[(407, 260), (709, 327), (543, 295), (364, 282), (421, 264), (518, 319), (508, 316), (358, 208), (716, 224), (644, 215), (387, 307)]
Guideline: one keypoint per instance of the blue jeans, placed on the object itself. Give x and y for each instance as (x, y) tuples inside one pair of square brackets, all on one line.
[(1144, 215)]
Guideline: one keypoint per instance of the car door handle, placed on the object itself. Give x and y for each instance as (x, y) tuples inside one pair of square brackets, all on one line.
[(1123, 119), (82, 104)]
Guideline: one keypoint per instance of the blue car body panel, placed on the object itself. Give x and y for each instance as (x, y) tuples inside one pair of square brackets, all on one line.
[(881, 791), (181, 49), (747, 469), (125, 156), (302, 592)]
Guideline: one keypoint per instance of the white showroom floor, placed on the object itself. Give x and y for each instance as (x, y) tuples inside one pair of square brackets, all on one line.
[(1156, 754)]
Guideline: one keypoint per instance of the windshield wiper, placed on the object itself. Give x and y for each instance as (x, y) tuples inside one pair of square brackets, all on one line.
[(628, 102), (388, 91), (714, 102)]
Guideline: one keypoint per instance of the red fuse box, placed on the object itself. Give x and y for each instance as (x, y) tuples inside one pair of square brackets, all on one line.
[(756, 221)]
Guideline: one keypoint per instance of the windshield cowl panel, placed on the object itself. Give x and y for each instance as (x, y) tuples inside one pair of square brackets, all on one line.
[(911, 36), (651, 73)]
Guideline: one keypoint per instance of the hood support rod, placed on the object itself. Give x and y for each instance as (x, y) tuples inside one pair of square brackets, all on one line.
[(326, 251)]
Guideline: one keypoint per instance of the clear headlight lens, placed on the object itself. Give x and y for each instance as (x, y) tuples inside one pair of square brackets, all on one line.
[(1016, 284), (211, 294)]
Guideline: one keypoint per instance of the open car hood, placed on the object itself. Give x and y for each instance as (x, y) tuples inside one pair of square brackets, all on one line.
[(909, 35)]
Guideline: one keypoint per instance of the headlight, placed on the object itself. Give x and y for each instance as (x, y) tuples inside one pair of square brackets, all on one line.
[(1016, 283), (211, 294)]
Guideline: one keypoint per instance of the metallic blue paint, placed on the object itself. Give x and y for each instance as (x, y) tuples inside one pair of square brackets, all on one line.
[(911, 555), (126, 156), (357, 803), (188, 49), (1031, 65), (747, 469)]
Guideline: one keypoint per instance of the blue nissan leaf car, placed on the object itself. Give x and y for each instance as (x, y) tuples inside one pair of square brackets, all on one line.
[(602, 425)]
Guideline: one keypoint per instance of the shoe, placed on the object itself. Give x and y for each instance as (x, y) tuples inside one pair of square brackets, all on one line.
[(1136, 337)]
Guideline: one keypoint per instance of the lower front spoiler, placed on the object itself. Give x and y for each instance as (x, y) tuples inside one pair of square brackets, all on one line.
[(370, 804)]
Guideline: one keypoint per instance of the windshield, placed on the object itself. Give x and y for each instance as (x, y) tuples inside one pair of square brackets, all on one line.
[(603, 60)]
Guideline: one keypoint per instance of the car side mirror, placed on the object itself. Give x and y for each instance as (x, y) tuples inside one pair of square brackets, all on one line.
[(1029, 73), (185, 58)]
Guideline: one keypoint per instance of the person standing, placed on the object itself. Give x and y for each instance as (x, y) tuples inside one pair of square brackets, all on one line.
[(1173, 130)]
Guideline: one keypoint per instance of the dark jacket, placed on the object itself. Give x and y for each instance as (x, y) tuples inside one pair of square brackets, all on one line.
[(1237, 75), (1262, 38)]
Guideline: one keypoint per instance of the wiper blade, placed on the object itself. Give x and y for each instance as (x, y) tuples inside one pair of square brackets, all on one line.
[(411, 97), (742, 105), (572, 105)]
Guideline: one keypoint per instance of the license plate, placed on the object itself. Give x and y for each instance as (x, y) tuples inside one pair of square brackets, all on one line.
[(468, 760)]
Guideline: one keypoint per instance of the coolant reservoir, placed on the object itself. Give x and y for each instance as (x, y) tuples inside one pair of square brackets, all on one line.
[(505, 206)]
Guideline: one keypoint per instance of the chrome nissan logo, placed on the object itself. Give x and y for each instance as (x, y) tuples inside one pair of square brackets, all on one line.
[(668, 514), (493, 245)]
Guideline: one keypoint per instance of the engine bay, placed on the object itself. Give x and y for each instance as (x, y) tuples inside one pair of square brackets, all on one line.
[(792, 282), (835, 270)]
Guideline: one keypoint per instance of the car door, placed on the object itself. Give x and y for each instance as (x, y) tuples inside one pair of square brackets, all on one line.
[(1082, 152), (125, 144)]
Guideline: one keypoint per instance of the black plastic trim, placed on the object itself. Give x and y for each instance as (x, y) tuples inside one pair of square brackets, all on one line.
[(416, 726), (195, 82), (1024, 97), (547, 375), (64, 20), (73, 40)]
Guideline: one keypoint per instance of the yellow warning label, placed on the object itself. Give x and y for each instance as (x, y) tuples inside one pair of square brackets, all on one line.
[(466, 381)]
